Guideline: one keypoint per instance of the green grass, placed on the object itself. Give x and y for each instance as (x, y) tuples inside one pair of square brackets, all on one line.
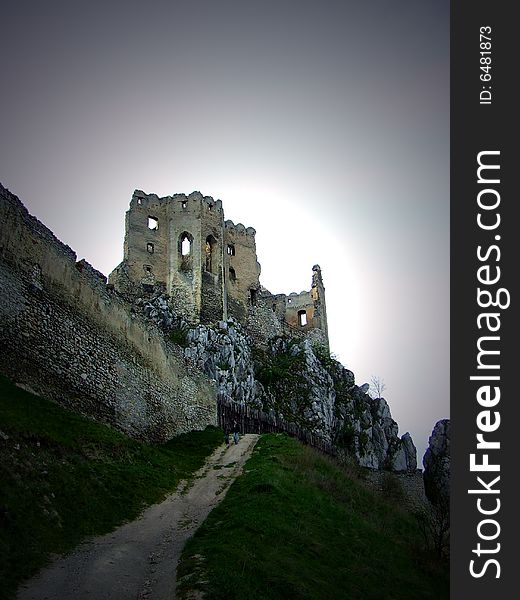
[(295, 525), (64, 477)]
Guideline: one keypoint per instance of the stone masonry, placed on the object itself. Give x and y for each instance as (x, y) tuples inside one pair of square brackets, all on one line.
[(183, 321), (67, 336), (208, 266)]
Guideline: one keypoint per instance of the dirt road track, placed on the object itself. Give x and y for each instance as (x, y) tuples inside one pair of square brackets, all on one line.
[(138, 561)]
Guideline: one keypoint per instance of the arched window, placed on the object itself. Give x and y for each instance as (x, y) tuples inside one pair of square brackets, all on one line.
[(232, 274), (231, 249), (185, 247), (185, 244), (153, 223), (302, 318)]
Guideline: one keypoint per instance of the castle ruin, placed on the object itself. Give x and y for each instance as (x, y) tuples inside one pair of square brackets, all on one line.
[(109, 350), (182, 246)]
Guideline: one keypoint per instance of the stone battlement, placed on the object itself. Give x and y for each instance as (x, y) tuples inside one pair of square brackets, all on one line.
[(239, 228), (176, 203)]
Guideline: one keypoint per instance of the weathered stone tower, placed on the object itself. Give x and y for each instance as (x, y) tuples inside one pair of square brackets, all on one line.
[(304, 313), (183, 246)]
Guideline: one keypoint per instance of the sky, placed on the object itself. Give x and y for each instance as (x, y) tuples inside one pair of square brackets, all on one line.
[(323, 125)]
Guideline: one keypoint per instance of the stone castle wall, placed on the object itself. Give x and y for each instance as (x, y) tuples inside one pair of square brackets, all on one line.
[(182, 245), (68, 336), (301, 316)]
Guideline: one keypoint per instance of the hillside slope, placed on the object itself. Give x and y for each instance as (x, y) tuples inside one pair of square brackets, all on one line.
[(64, 477), (296, 525)]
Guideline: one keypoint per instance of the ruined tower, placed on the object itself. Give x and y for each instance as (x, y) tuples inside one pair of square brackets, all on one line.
[(304, 313), (182, 245)]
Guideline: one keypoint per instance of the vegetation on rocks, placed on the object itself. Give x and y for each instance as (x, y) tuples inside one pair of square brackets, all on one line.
[(286, 389), (295, 379), (179, 336)]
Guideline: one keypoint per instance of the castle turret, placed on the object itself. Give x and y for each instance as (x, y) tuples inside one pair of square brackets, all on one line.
[(243, 269)]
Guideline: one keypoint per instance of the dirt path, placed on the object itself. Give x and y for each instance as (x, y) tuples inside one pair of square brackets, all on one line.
[(138, 561)]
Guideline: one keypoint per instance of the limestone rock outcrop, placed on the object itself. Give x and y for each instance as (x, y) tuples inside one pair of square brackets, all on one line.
[(436, 462), (294, 379), (222, 352)]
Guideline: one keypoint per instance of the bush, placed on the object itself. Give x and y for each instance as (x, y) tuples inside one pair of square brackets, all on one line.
[(434, 523), (179, 336)]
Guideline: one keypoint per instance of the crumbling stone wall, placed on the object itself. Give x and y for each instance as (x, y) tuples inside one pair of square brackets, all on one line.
[(70, 338), (182, 245), (175, 244), (301, 316)]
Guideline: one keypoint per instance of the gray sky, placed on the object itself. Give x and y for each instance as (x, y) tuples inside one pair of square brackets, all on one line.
[(325, 126)]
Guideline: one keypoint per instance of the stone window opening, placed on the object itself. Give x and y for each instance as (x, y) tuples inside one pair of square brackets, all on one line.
[(274, 307), (289, 300), (150, 248), (253, 294), (147, 268), (153, 223), (232, 274), (302, 318), (231, 249), (185, 247), (139, 201), (184, 203)]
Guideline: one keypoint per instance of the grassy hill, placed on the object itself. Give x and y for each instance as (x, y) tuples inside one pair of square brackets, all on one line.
[(64, 477), (295, 525)]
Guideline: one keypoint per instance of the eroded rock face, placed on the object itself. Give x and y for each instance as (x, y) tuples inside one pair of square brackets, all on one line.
[(436, 462), (296, 380), (410, 451), (223, 352), (373, 433)]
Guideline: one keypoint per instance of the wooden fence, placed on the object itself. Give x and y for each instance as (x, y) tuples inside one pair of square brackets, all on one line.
[(251, 420)]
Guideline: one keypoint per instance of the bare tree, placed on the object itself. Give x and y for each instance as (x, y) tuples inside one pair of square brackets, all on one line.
[(377, 387), (434, 523)]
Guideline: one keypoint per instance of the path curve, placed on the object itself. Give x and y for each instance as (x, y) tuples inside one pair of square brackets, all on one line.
[(138, 561)]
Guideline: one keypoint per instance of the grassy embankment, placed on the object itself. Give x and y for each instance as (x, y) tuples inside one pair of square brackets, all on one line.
[(295, 525), (64, 477)]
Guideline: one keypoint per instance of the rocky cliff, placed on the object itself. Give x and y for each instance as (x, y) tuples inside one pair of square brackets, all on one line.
[(141, 367), (436, 463), (296, 380)]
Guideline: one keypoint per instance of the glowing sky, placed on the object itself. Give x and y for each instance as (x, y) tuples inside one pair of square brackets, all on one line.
[(323, 125)]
